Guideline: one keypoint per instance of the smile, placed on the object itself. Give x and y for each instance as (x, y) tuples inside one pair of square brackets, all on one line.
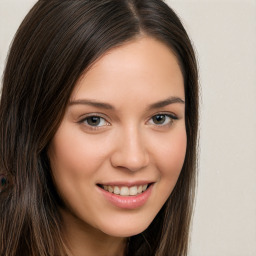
[(124, 190), (126, 197)]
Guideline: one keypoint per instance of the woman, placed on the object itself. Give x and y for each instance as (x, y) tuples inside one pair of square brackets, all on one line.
[(98, 114)]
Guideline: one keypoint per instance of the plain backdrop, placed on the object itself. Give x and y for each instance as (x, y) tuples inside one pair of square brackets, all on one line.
[(224, 36)]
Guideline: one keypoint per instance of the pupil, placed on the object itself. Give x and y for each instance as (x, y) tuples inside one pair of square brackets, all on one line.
[(94, 121), (159, 119)]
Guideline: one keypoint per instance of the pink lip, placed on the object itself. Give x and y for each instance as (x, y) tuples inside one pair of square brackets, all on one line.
[(127, 202)]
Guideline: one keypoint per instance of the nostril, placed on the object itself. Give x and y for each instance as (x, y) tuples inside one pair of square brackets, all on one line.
[(131, 152), (125, 161)]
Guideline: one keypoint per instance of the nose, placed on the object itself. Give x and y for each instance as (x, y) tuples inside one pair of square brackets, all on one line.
[(130, 151)]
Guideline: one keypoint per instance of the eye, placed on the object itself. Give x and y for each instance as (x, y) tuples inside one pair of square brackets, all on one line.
[(162, 119), (95, 121)]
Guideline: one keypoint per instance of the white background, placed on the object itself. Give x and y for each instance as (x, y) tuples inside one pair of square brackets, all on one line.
[(224, 35)]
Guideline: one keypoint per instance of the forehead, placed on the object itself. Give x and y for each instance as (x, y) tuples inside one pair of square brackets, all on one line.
[(144, 66)]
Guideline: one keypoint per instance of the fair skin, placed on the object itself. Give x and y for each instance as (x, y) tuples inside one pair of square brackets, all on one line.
[(124, 128)]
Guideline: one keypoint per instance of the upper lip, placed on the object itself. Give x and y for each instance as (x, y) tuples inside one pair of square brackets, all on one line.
[(126, 183)]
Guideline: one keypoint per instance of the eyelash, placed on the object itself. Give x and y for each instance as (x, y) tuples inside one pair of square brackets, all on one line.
[(91, 127), (172, 118)]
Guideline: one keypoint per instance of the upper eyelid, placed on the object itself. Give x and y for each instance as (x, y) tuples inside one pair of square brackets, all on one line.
[(167, 115), (108, 119), (169, 125), (170, 114), (173, 118), (85, 116), (91, 127)]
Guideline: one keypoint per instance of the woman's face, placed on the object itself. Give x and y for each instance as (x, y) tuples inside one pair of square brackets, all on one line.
[(123, 132)]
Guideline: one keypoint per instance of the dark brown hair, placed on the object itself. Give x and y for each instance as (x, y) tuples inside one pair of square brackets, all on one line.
[(55, 44)]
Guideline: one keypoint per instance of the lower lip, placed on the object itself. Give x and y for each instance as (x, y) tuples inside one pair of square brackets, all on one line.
[(127, 202)]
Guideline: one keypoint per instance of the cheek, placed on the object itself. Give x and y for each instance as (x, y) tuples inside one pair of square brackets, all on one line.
[(74, 160), (171, 155), (75, 155), (71, 163)]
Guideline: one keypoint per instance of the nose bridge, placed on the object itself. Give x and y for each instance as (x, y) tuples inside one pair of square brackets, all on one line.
[(131, 152)]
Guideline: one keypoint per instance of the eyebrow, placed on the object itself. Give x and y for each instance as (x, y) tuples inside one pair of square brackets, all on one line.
[(166, 102), (91, 103), (103, 105)]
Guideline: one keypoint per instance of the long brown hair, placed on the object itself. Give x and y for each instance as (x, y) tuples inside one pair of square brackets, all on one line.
[(55, 44)]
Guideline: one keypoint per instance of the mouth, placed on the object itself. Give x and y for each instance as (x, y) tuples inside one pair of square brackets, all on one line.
[(125, 190), (126, 196)]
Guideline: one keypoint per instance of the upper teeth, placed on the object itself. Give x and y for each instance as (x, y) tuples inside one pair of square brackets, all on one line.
[(126, 191)]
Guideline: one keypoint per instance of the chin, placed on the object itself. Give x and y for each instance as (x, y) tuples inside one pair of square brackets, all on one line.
[(127, 229)]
